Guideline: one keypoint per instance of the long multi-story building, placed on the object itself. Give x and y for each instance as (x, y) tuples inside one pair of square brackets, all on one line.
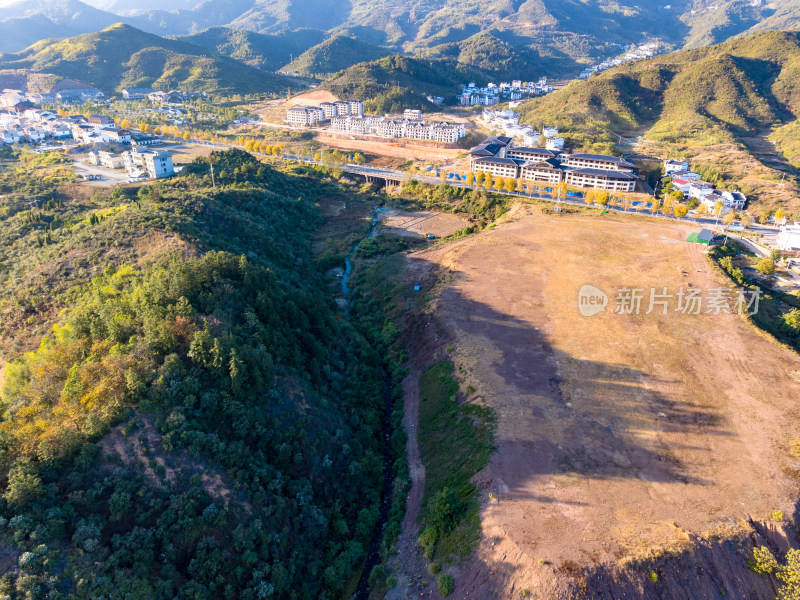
[(499, 157), (304, 116), (412, 128), (597, 161)]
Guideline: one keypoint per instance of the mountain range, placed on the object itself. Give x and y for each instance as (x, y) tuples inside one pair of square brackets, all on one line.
[(121, 56), (566, 29)]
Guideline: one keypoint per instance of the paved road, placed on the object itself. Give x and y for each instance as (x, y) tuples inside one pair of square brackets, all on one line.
[(767, 232)]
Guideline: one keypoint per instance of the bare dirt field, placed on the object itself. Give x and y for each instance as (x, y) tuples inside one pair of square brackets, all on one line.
[(314, 98), (618, 436), (421, 223), (407, 151)]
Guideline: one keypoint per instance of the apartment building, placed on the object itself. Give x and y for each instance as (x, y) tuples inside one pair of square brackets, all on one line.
[(597, 161), (304, 116), (500, 157), (532, 154), (546, 171), (604, 179), (499, 167)]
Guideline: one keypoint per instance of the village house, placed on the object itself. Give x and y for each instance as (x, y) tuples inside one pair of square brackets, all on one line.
[(789, 238), (136, 93), (153, 163)]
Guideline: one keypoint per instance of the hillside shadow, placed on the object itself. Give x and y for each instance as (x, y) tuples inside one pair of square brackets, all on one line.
[(600, 421), (566, 415)]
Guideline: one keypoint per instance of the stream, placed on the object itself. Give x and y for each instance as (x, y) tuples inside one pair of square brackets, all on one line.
[(374, 554)]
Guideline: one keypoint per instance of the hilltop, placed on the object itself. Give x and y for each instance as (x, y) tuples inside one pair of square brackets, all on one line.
[(333, 55), (121, 56), (396, 82), (497, 58), (268, 52)]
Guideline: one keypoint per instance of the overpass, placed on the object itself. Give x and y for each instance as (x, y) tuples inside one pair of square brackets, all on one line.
[(387, 176)]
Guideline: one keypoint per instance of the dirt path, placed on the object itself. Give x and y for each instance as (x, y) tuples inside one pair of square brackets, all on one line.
[(408, 565)]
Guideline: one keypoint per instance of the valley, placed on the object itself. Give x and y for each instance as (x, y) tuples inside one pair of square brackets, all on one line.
[(381, 301)]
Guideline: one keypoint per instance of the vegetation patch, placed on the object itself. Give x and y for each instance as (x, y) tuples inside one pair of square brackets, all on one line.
[(455, 443)]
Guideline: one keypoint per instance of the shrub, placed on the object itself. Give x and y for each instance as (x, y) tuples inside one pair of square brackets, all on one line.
[(446, 584)]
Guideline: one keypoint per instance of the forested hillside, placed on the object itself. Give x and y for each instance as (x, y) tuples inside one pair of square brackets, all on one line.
[(268, 52), (200, 422), (121, 56), (728, 101), (704, 96), (334, 55), (397, 82)]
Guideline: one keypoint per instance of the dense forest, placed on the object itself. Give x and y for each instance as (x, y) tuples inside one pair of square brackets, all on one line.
[(200, 421)]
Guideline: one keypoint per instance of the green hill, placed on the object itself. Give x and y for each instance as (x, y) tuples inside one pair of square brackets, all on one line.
[(333, 55), (704, 96), (397, 82), (724, 104), (498, 58), (121, 56), (201, 422), (268, 52)]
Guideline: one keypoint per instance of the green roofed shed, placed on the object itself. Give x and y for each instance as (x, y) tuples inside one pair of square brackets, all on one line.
[(705, 236), (692, 237)]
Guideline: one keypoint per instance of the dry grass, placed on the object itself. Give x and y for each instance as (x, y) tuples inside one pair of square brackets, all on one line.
[(617, 434)]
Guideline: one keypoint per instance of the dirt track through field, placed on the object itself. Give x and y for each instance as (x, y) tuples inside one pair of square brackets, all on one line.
[(618, 435)]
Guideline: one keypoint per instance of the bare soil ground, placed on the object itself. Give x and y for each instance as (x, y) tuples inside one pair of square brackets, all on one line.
[(618, 436), (314, 98), (408, 151), (421, 223)]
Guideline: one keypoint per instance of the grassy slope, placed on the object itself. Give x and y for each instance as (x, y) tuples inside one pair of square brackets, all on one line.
[(121, 56), (270, 52), (690, 101), (333, 55)]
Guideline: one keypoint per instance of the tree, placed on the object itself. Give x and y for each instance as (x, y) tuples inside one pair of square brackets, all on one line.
[(521, 185), (125, 124), (480, 176), (746, 219), (779, 216), (602, 197), (186, 136), (718, 206), (470, 178), (766, 266), (680, 210), (590, 197), (510, 184), (702, 210)]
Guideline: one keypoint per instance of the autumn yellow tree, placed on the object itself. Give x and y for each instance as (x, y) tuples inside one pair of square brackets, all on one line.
[(470, 178), (602, 197), (680, 210)]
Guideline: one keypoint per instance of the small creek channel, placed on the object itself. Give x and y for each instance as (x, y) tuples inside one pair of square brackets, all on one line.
[(374, 554)]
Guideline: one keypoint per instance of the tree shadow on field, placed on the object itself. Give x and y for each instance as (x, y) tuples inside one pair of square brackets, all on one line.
[(600, 420)]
